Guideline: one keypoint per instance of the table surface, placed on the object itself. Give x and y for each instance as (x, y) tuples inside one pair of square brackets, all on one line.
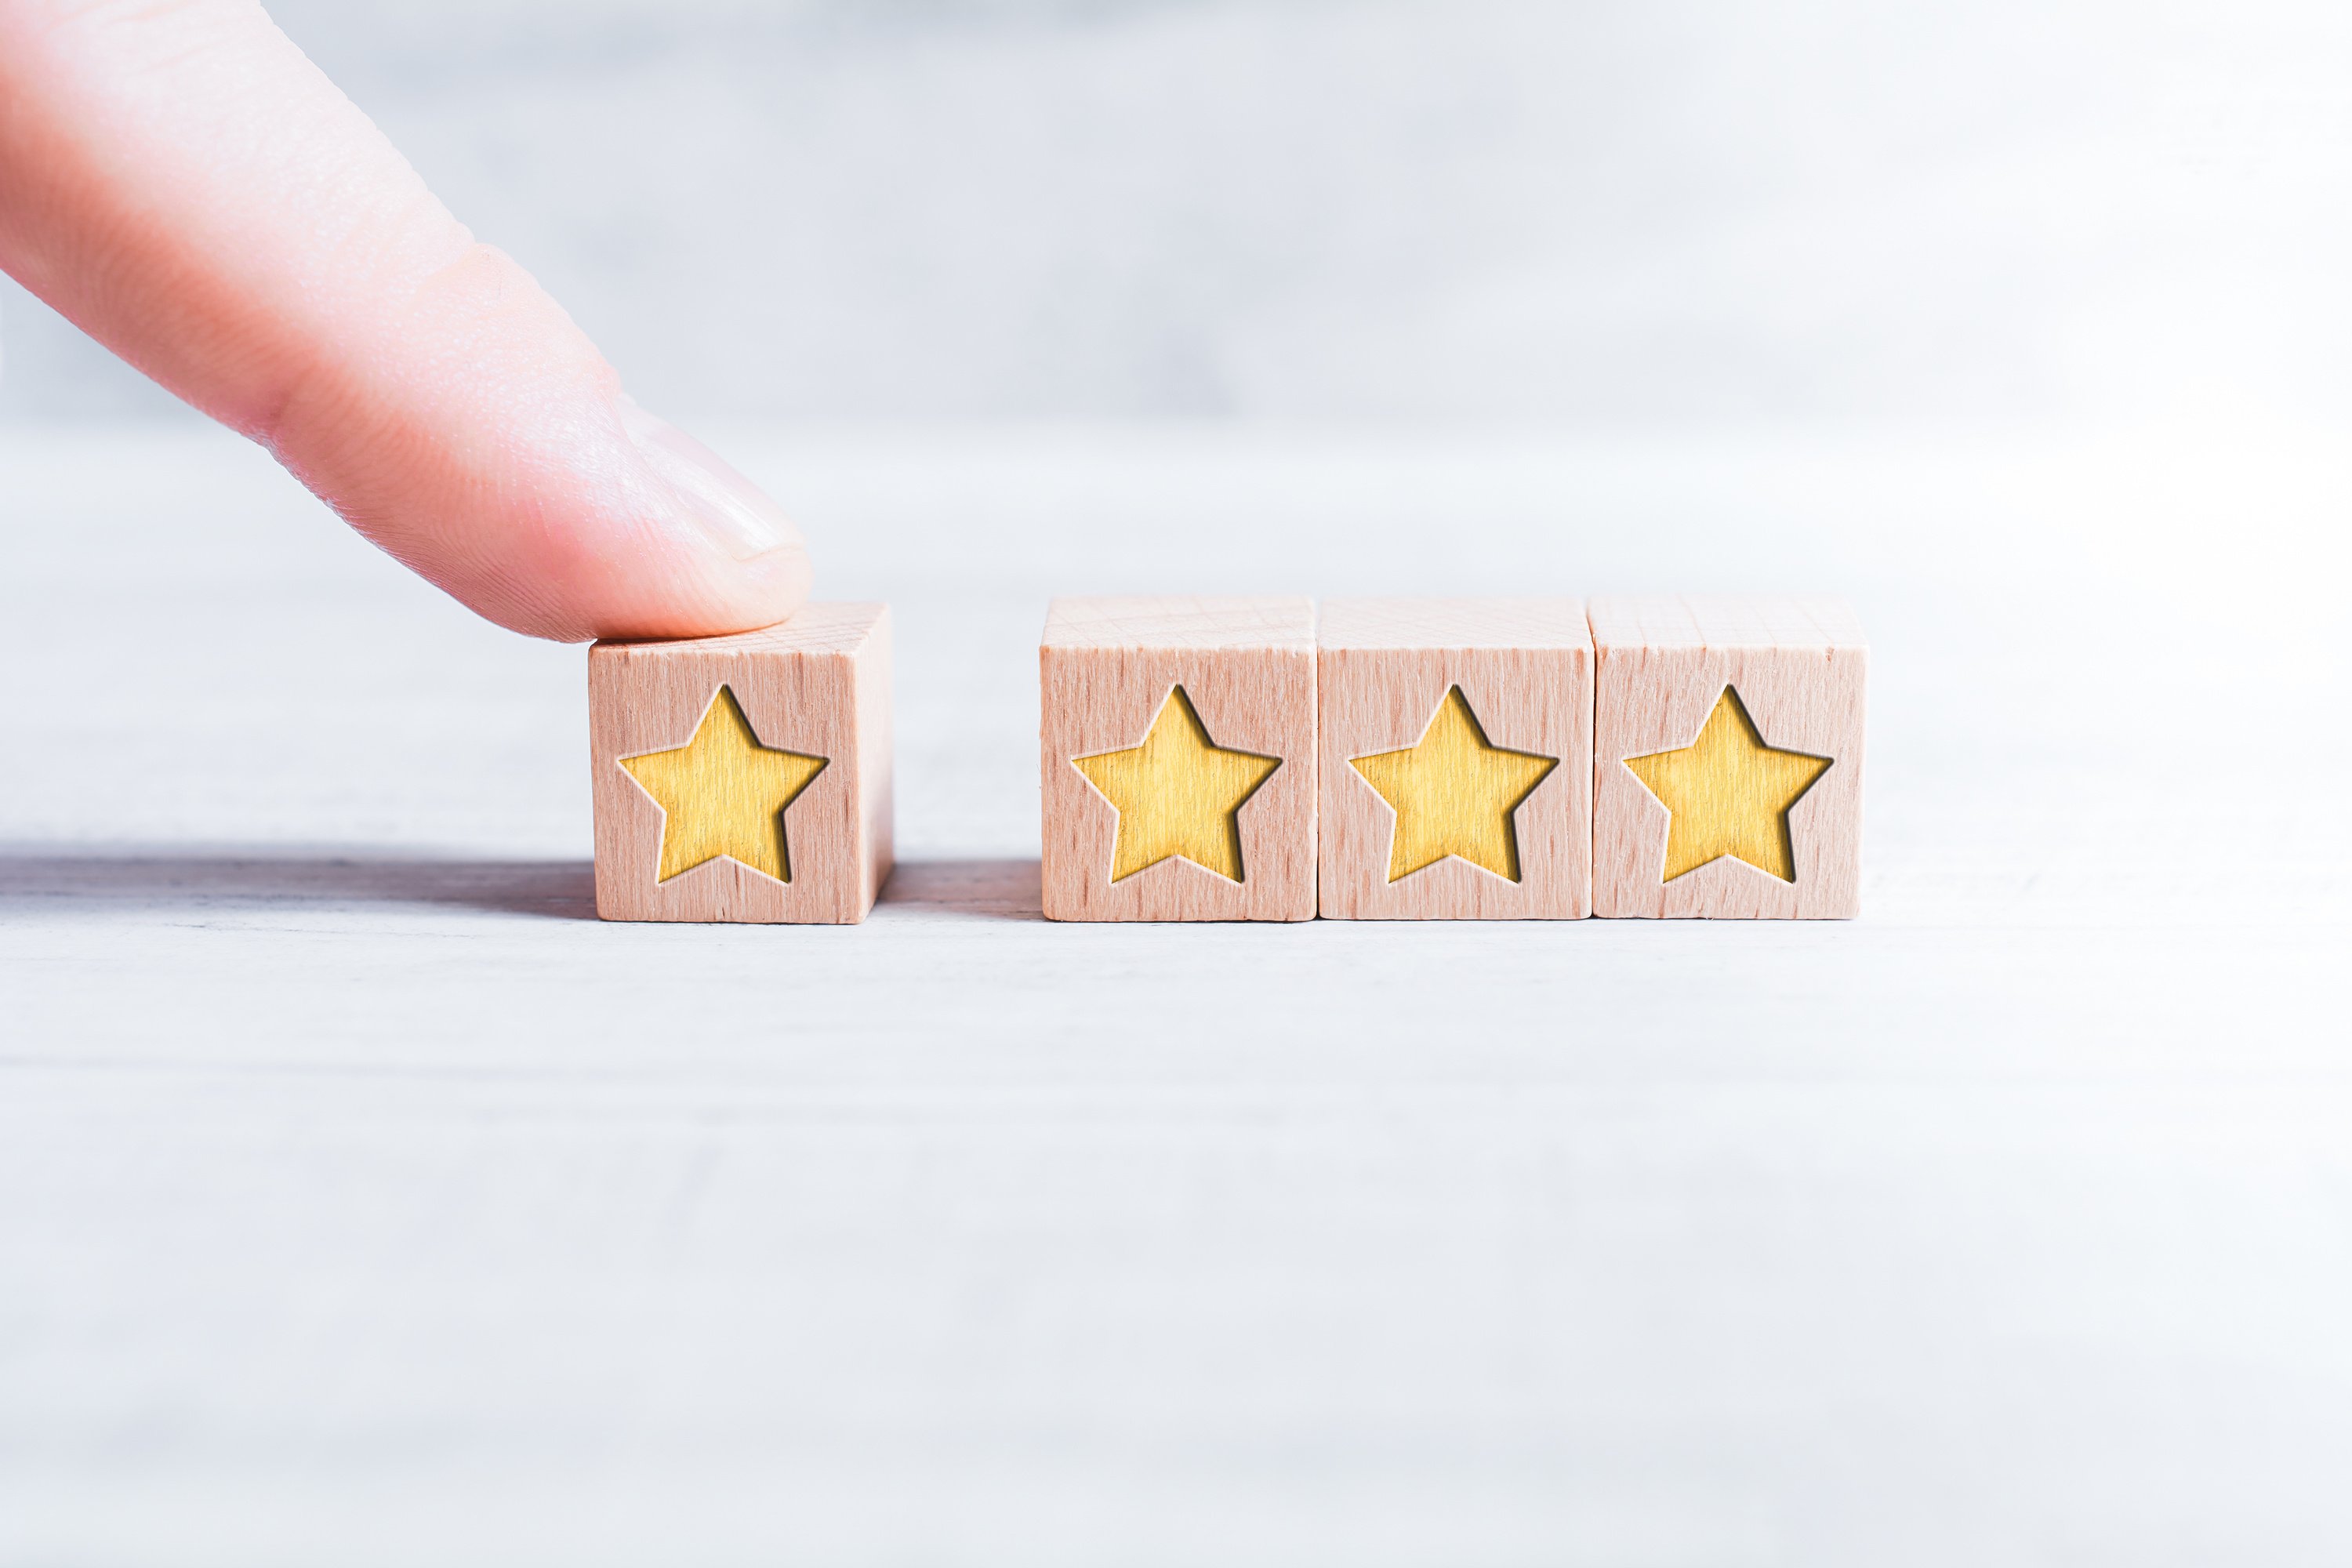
[(363, 1199)]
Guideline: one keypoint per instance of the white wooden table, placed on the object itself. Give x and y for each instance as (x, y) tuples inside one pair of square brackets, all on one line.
[(362, 1199)]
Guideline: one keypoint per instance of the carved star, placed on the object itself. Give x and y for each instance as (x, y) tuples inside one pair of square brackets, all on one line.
[(723, 793), (1454, 793), (1178, 793), (1730, 794)]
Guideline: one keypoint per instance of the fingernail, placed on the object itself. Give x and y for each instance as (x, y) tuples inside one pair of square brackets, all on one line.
[(736, 512)]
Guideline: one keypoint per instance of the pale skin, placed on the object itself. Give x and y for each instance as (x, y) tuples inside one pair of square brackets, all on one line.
[(182, 183)]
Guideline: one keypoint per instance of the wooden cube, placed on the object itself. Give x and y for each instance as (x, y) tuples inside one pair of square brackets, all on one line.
[(1728, 758), (745, 778), (1456, 743), (1179, 759)]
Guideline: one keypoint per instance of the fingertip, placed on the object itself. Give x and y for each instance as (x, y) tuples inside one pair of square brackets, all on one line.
[(701, 551), (486, 444), (714, 598)]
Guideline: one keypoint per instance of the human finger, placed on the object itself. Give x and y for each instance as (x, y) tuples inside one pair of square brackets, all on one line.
[(181, 182)]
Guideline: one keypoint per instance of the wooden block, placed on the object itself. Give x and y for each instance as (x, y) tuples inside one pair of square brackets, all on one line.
[(745, 778), (1179, 759), (1728, 758), (1456, 743)]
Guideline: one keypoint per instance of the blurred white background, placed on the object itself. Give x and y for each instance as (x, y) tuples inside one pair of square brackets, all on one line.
[(1591, 215)]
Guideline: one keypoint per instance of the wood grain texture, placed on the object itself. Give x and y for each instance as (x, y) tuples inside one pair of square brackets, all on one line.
[(818, 685), (365, 1200), (1383, 668), (1106, 667), (1661, 668)]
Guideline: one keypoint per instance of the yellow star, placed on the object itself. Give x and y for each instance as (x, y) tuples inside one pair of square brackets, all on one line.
[(723, 793), (1730, 794), (1176, 793), (1454, 793)]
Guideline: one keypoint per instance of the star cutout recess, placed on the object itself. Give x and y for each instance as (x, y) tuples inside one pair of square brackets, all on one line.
[(723, 793), (1178, 793), (1454, 793), (1730, 794)]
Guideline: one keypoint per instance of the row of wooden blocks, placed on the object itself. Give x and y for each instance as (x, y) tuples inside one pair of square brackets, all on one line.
[(1258, 759)]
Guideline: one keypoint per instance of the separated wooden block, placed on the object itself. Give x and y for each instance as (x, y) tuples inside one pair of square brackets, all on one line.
[(1179, 759), (1728, 758), (1456, 744), (745, 778)]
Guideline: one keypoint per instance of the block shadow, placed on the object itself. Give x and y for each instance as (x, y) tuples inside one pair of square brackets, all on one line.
[(199, 877), (989, 889), (193, 877)]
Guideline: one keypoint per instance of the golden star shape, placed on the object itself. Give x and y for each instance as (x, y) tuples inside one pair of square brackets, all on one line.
[(723, 793), (1453, 793), (1730, 794), (1179, 793)]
